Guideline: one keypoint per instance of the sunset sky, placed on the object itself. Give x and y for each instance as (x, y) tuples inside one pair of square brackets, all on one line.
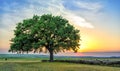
[(97, 20)]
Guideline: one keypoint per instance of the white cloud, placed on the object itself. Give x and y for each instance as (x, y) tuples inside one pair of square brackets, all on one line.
[(40, 7), (79, 21), (96, 6), (59, 9)]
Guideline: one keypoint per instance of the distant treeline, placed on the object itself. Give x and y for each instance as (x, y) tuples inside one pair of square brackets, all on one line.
[(91, 62)]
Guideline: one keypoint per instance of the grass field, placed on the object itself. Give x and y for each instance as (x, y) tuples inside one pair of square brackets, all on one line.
[(14, 63), (55, 66)]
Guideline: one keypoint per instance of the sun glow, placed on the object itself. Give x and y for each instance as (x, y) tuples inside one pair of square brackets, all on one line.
[(88, 43)]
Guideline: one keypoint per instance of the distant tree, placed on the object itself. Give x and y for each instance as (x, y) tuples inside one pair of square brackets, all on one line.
[(53, 33)]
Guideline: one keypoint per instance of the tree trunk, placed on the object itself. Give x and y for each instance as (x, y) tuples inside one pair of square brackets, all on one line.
[(51, 55)]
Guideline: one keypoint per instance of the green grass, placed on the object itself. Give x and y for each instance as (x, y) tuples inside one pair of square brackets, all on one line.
[(55, 66), (20, 60), (35, 64)]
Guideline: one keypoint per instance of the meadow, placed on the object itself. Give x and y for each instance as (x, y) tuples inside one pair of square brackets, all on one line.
[(55, 66), (33, 63)]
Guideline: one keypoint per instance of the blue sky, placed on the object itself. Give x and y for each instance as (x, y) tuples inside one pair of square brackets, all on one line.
[(98, 15)]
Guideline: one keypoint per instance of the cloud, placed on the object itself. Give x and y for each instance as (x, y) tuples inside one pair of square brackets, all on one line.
[(79, 21), (91, 6), (16, 12)]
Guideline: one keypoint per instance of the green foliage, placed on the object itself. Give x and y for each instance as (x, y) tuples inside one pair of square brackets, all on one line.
[(52, 32)]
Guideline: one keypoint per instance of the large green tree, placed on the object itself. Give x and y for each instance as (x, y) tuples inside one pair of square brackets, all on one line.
[(53, 33)]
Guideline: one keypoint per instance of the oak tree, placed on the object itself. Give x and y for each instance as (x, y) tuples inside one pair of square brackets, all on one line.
[(45, 33)]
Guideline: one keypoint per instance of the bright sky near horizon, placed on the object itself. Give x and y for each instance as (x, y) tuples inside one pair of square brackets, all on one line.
[(98, 20)]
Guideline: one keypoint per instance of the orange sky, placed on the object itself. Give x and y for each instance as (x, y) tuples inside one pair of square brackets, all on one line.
[(98, 41)]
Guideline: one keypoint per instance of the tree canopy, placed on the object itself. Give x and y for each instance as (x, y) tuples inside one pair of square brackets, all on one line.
[(53, 33)]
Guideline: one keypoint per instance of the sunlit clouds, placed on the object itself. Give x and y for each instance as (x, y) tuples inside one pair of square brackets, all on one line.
[(15, 14), (96, 6), (79, 21)]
